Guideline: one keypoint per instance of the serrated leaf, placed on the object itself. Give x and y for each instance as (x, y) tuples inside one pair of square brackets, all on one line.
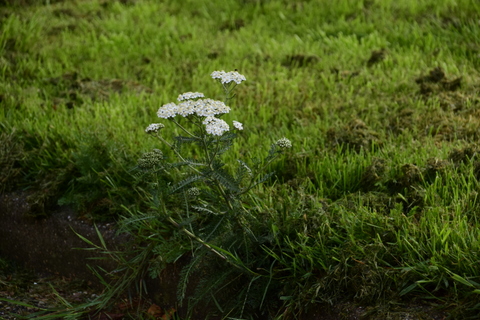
[(242, 170), (183, 139), (198, 208), (228, 136), (180, 185), (188, 162), (226, 180)]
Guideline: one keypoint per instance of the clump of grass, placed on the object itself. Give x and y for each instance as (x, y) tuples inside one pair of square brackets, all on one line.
[(11, 153)]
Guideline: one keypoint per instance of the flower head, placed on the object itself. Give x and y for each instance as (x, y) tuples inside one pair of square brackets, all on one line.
[(210, 107), (227, 77), (190, 96), (154, 127), (186, 108), (284, 143), (238, 125), (202, 107), (167, 111), (215, 126)]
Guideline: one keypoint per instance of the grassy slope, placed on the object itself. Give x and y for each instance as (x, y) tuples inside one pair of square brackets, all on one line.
[(395, 160)]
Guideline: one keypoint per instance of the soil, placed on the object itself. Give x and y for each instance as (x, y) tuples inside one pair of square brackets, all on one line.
[(40, 271), (51, 244), (38, 291)]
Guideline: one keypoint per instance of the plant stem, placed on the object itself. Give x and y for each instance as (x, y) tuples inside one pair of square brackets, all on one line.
[(178, 154), (250, 185), (183, 128)]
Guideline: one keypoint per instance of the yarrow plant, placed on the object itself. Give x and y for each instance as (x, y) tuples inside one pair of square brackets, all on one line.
[(195, 191)]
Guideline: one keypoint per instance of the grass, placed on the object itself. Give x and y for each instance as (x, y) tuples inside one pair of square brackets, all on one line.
[(385, 161)]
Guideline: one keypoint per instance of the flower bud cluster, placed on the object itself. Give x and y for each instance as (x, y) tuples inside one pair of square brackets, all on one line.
[(284, 143), (227, 77), (193, 192), (151, 160)]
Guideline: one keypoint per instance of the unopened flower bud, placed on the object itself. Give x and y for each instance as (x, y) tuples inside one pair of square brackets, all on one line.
[(150, 160), (193, 192)]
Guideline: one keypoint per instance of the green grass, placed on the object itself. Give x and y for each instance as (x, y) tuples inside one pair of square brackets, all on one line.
[(394, 161)]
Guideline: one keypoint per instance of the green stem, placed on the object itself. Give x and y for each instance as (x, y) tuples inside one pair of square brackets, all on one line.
[(177, 153), (257, 174), (210, 158), (185, 130)]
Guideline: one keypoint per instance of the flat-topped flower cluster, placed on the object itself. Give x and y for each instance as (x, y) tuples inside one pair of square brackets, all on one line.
[(201, 107), (195, 103), (227, 77)]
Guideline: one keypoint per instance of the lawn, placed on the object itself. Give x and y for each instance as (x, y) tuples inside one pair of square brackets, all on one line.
[(376, 203)]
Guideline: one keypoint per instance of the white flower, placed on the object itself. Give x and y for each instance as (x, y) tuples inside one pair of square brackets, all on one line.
[(186, 108), (215, 126), (238, 125), (227, 77), (167, 111), (210, 107), (154, 127), (190, 96), (284, 143)]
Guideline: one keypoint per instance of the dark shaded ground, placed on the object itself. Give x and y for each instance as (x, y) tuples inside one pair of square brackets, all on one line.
[(38, 267), (51, 245), (39, 291)]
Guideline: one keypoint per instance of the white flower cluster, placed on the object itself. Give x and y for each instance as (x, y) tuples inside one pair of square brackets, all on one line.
[(154, 127), (284, 143), (227, 77), (192, 103), (210, 107), (238, 125), (168, 110), (215, 126), (202, 107), (190, 96)]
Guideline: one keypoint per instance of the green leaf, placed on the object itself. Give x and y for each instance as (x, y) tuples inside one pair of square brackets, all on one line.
[(19, 303), (460, 279), (183, 139), (408, 289), (182, 184), (226, 180)]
